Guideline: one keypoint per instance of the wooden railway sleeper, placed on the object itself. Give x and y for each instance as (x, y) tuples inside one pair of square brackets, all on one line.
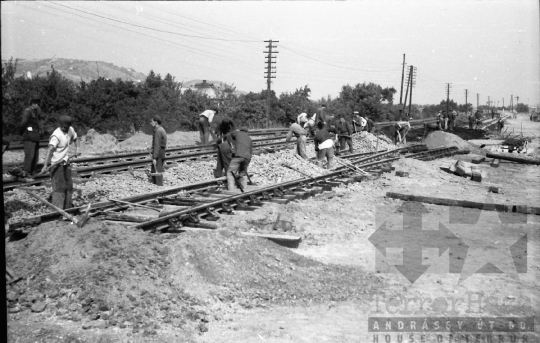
[(191, 218), (254, 201)]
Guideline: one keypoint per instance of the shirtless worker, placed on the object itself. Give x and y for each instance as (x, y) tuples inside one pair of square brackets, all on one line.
[(60, 170), (324, 145), (301, 136)]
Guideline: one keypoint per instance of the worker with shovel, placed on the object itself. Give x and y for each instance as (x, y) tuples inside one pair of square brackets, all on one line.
[(159, 143), (301, 136), (60, 169)]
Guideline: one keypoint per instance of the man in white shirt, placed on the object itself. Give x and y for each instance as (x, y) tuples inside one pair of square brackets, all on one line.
[(58, 157), (359, 121), (205, 119)]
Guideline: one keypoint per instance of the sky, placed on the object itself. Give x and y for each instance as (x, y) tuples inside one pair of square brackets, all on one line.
[(489, 48)]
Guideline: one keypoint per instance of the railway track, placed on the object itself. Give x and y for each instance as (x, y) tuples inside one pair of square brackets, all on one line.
[(265, 132), (200, 204), (89, 166)]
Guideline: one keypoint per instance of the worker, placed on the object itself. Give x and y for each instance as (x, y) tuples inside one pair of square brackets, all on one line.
[(242, 150), (500, 124), (298, 131), (370, 125), (402, 127), (224, 151), (205, 119), (159, 144), (30, 132), (345, 131), (321, 115), (478, 119), (359, 122), (471, 121), (444, 120), (302, 118), (310, 126), (451, 120), (324, 145), (60, 169)]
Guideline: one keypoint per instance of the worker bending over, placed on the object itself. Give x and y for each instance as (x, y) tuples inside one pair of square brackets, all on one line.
[(224, 151), (402, 127), (242, 150), (58, 157), (301, 137), (159, 144), (324, 145), (205, 119), (345, 131)]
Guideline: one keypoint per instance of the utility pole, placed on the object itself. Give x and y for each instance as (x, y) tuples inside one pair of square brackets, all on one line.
[(268, 75), (466, 103), (477, 100), (401, 93), (447, 98), (407, 91), (413, 83), (512, 103), (489, 103)]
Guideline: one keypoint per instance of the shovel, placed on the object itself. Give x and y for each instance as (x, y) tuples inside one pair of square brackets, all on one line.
[(79, 222), (237, 181), (51, 166)]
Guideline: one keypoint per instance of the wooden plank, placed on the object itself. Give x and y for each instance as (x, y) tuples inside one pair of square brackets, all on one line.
[(402, 173), (514, 158), (128, 217), (478, 160), (285, 240), (495, 163), (449, 202), (476, 175), (494, 189)]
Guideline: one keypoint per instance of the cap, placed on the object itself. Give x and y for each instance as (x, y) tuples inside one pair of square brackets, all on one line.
[(65, 120), (356, 112), (156, 118)]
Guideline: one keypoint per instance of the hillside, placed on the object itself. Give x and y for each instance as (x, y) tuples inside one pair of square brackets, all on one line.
[(77, 70)]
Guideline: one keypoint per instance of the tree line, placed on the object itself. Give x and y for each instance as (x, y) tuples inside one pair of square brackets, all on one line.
[(119, 107)]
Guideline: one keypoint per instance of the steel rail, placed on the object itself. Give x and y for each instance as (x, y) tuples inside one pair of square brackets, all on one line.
[(215, 184), (141, 163)]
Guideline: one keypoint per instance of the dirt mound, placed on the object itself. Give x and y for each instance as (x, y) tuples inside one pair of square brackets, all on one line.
[(96, 143), (138, 141), (101, 276), (182, 138), (106, 275), (438, 139)]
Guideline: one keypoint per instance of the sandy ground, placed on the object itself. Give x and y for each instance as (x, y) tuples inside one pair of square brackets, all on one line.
[(327, 289)]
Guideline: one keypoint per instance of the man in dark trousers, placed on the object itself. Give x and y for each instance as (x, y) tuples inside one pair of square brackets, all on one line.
[(242, 150), (321, 115), (224, 155), (324, 145), (369, 125), (205, 119), (159, 144), (30, 133), (60, 170), (344, 131)]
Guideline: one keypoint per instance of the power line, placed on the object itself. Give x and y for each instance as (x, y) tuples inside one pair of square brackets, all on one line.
[(153, 29)]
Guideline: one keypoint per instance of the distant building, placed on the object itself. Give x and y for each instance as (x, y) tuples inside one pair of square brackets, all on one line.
[(206, 88)]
